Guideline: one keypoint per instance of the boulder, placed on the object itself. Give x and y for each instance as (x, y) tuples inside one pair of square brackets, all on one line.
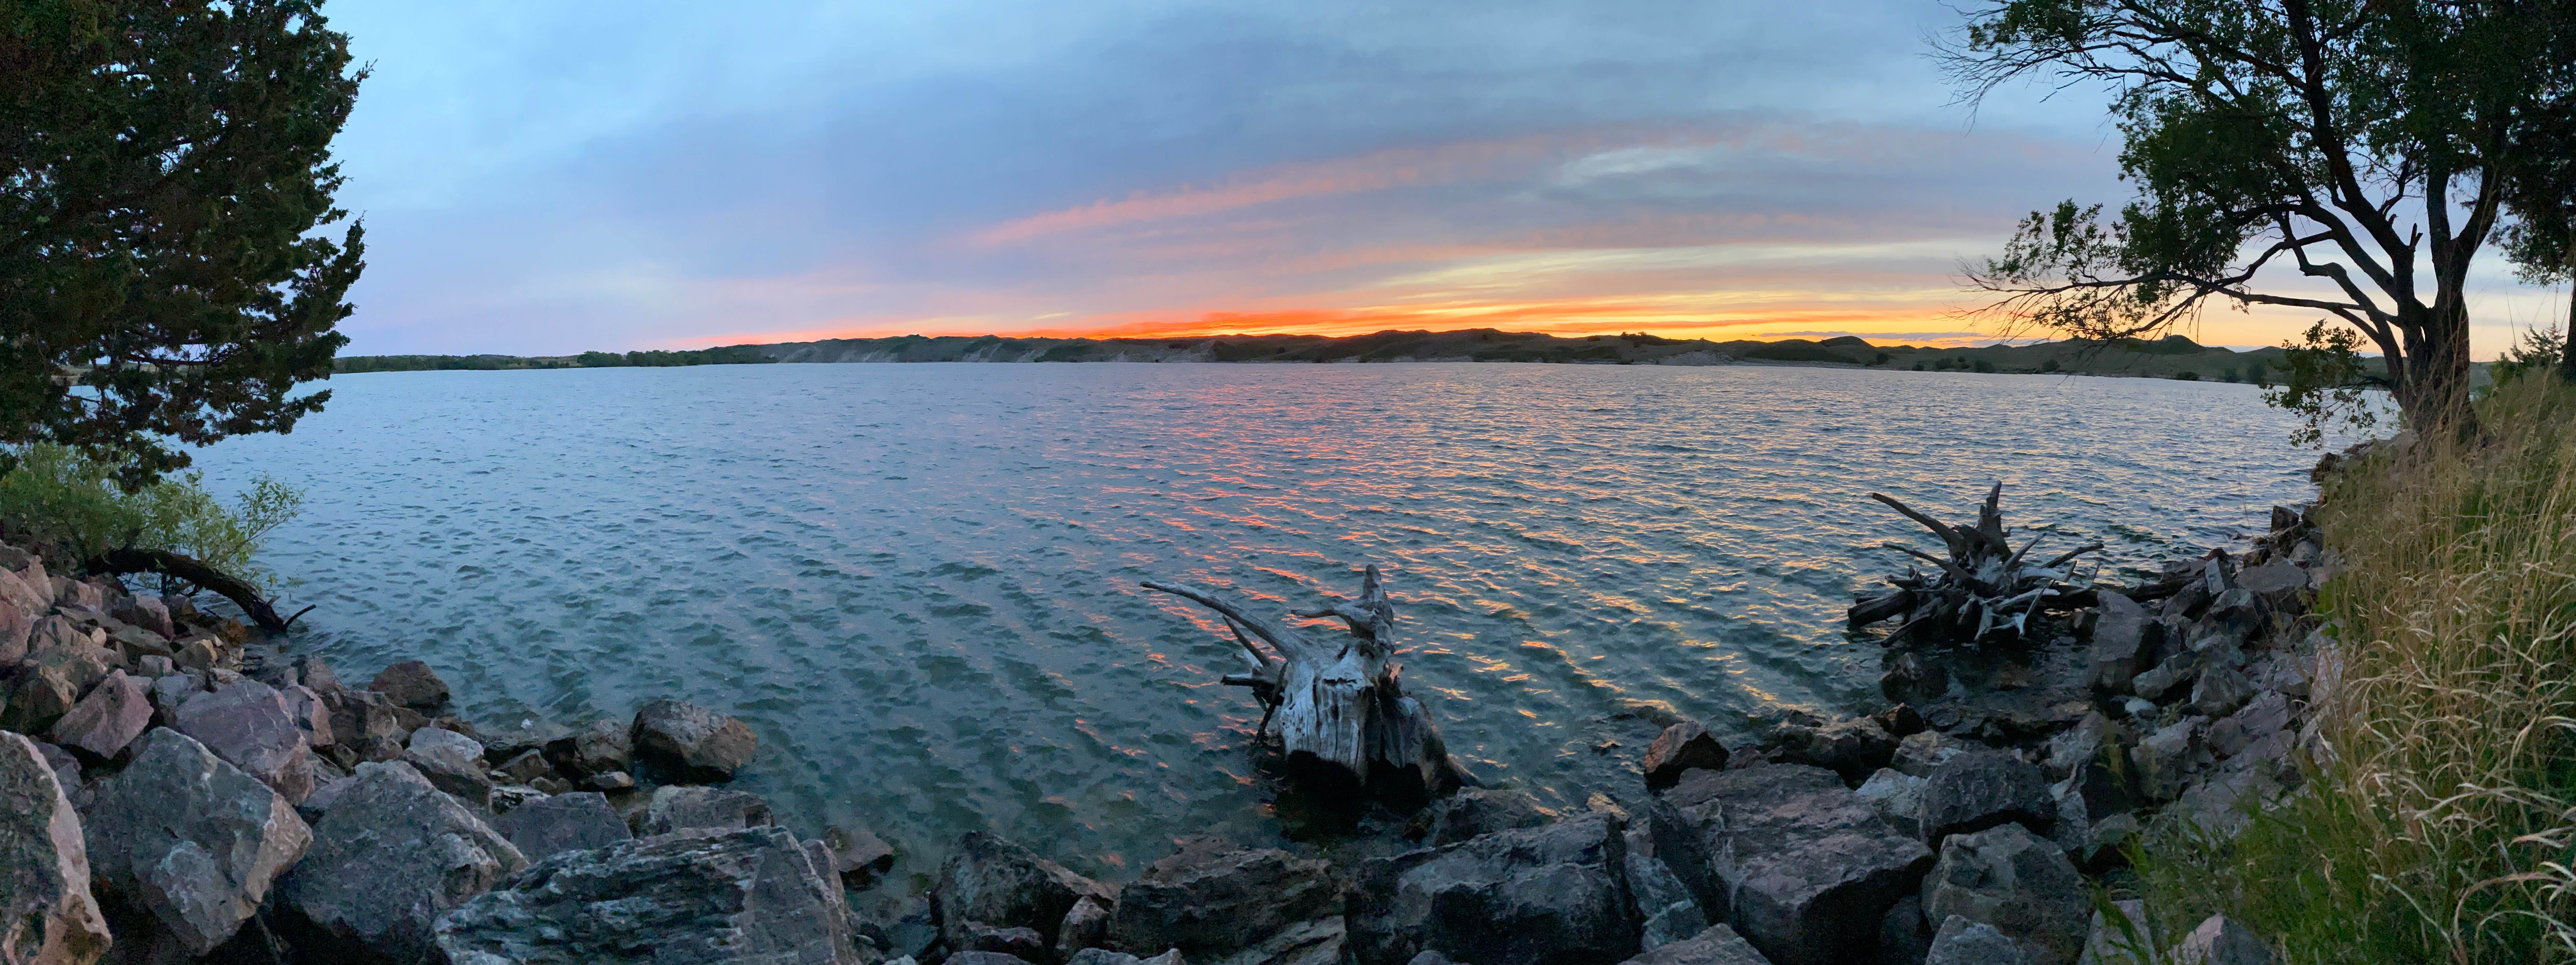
[(15, 625), (199, 653), (1852, 747), (1476, 811), (611, 781), (67, 770), (1981, 789), (1018, 943), (49, 682), (523, 767), (116, 712), (604, 746), (2281, 585), (191, 839), (45, 899), (1910, 679), (2017, 882), (702, 810), (859, 856), (1904, 938), (1665, 908), (698, 742), (452, 762), (2161, 759), (2267, 714), (149, 613), (1210, 898), (2120, 936), (1964, 942), (548, 826), (1796, 858), (2121, 645), (364, 721), (999, 884), (1554, 895), (1898, 799), (22, 599), (411, 684), (246, 722), (753, 895), (2158, 683), (1901, 721), (390, 856), (1095, 956), (2221, 941), (1917, 754), (2220, 691), (1086, 926), (1714, 945), (1680, 747), (310, 714)]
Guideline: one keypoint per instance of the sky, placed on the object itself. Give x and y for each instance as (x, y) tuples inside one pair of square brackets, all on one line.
[(544, 179)]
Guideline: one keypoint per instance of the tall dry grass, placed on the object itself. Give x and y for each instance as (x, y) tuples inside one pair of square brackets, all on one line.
[(2438, 821)]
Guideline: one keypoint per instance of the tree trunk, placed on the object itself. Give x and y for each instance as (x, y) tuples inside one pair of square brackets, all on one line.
[(1343, 717), (191, 569)]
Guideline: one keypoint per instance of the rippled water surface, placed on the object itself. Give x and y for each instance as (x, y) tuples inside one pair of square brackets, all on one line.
[(918, 582)]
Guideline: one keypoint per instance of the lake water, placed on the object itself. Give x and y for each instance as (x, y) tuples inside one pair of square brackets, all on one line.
[(918, 582)]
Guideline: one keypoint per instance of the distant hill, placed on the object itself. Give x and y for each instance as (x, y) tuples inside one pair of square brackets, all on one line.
[(2171, 357)]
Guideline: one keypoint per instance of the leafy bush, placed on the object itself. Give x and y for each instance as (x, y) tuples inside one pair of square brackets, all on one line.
[(2537, 351), (2187, 376), (70, 504)]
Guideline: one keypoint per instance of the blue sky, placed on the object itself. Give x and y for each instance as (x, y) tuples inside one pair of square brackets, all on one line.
[(552, 178)]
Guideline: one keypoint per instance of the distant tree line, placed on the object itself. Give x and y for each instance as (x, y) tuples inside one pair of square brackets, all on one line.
[(728, 355)]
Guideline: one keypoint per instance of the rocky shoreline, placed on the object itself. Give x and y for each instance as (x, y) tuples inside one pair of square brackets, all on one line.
[(177, 794)]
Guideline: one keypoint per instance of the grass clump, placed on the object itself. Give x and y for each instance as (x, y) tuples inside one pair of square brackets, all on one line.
[(2438, 821), (70, 506)]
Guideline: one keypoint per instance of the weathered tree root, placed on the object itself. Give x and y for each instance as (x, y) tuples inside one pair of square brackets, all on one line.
[(1342, 714), (189, 568), (1983, 585)]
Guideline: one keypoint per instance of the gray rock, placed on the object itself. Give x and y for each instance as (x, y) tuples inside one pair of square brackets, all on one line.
[(246, 722), (603, 746), (1521, 897), (67, 770), (1918, 754), (1664, 904), (1904, 938), (699, 742), (1679, 748), (191, 839), (149, 613), (611, 781), (1964, 942), (114, 713), (753, 895), (997, 883), (1086, 926), (2104, 839), (390, 856), (411, 684), (1020, 942), (702, 810), (1211, 898), (511, 797), (1476, 811), (45, 897), (2161, 759), (2267, 714), (1714, 945), (2122, 645), (1910, 679), (1315, 941), (309, 713), (324, 794), (2221, 941), (980, 957), (1097, 956), (1898, 799), (452, 762), (859, 856), (2160, 681), (1982, 789), (1795, 858), (50, 681), (365, 722), (546, 827), (2017, 882), (2220, 692), (2120, 936), (1852, 747), (524, 767)]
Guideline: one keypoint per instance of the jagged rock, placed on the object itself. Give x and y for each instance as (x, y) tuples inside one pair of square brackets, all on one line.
[(1901, 721), (390, 856), (699, 742), (2103, 840), (1793, 859), (67, 770), (149, 613), (2017, 882), (1679, 748), (2220, 691), (1017, 943), (45, 902), (1000, 884), (1086, 926), (112, 716), (452, 762), (1851, 747), (1527, 896), (1904, 938), (246, 722), (1101, 956), (411, 684), (2169, 674), (1315, 941), (859, 856), (702, 810), (2267, 714), (1664, 904), (524, 767), (1964, 942), (2161, 759), (1714, 945), (1898, 799), (510, 797), (1919, 753), (191, 839), (1981, 789), (2124, 940), (15, 625), (548, 826), (365, 722), (2122, 645), (1477, 810), (311, 716), (603, 746), (611, 781), (2281, 585), (2221, 941), (748, 896), (198, 653), (50, 682), (1211, 898), (1910, 679)]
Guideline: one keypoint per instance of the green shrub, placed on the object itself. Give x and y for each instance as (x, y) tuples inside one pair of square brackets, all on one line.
[(2048, 366), (70, 505), (2187, 376), (1984, 366)]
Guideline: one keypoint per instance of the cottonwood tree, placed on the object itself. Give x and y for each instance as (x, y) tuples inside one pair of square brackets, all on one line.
[(2361, 145), (165, 174)]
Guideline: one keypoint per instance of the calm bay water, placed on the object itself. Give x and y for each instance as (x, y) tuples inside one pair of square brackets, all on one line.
[(918, 582)]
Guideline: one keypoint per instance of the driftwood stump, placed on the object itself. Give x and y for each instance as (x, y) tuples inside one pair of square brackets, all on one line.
[(1983, 585), (1343, 717)]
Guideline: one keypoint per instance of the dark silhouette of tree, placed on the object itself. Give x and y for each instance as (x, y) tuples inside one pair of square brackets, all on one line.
[(165, 174)]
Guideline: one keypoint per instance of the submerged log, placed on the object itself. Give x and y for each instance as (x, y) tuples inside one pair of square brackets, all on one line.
[(1982, 584), (1341, 710)]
